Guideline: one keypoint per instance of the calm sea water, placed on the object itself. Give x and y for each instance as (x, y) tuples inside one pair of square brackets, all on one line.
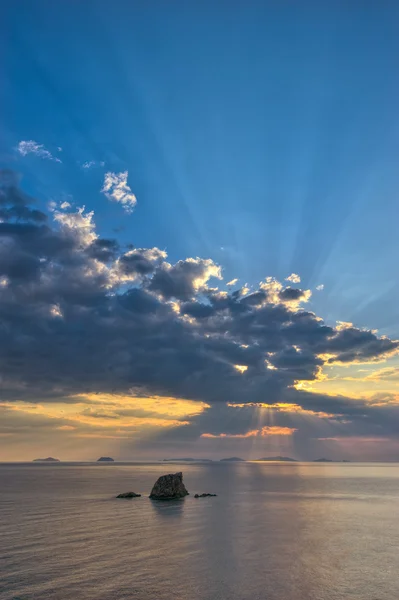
[(275, 532)]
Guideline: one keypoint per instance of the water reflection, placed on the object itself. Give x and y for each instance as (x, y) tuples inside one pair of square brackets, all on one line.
[(292, 532), (264, 528), (168, 508)]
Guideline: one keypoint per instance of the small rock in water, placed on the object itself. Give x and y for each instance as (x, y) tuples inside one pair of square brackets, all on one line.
[(129, 495), (169, 487), (204, 495)]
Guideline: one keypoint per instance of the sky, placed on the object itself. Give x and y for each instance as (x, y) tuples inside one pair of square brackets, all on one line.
[(198, 229)]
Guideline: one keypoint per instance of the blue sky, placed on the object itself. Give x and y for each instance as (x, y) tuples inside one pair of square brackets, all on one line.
[(266, 129), (262, 135)]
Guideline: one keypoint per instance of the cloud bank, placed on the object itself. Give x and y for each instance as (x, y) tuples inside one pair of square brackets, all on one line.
[(81, 315)]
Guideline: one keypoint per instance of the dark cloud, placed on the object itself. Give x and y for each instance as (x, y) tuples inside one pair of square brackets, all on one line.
[(139, 302), (182, 280), (11, 194), (103, 250), (351, 344), (291, 294), (78, 315)]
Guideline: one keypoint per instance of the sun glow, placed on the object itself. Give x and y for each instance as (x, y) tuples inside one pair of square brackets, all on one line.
[(241, 368), (263, 432), (87, 413)]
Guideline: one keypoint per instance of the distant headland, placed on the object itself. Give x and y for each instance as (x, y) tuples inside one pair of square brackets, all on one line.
[(109, 459)]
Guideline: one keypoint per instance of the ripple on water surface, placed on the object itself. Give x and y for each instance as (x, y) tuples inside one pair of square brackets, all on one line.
[(275, 531)]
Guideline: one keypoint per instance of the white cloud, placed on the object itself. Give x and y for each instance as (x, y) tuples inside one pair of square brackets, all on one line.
[(276, 293), (232, 282), (293, 278), (118, 274), (32, 147), (320, 287), (53, 205), (79, 223), (56, 311), (88, 164), (344, 325), (116, 189)]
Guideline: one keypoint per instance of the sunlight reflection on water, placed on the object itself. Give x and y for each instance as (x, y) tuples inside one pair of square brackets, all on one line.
[(276, 531)]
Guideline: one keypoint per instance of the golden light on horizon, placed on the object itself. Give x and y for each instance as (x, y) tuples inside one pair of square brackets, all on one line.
[(96, 414), (263, 432)]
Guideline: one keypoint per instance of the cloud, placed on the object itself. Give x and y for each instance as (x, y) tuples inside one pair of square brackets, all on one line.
[(293, 278), (320, 287), (82, 316), (90, 164), (240, 368), (116, 189), (232, 282), (294, 294), (32, 147), (106, 417), (184, 279), (79, 224), (285, 407), (386, 374), (263, 432)]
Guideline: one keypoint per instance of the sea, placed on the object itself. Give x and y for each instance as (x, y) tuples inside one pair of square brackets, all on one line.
[(275, 531)]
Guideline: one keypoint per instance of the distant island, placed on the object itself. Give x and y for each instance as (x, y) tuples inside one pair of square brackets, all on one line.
[(277, 459), (49, 459), (105, 459), (323, 460), (232, 459), (187, 460)]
